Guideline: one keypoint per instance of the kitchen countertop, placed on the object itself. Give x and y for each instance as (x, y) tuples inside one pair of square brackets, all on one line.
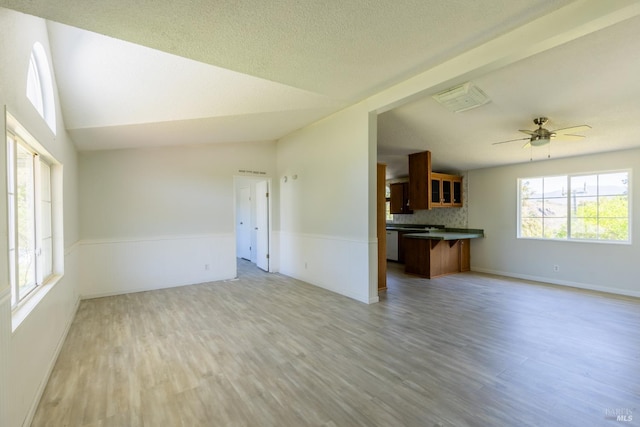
[(408, 229), (418, 228), (447, 234)]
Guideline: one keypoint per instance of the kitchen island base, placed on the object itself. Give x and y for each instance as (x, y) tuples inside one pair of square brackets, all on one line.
[(434, 258)]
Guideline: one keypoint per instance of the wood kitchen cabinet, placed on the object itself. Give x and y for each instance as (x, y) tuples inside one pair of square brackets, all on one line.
[(465, 255), (400, 198), (446, 190), (420, 180), (435, 258), (381, 205), (456, 185), (427, 189), (401, 246)]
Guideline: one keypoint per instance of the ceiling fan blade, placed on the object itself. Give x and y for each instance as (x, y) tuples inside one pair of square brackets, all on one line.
[(528, 132), (511, 140), (527, 145), (566, 137), (573, 129)]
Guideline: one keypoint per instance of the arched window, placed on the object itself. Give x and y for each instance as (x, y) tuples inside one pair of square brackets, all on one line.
[(40, 85)]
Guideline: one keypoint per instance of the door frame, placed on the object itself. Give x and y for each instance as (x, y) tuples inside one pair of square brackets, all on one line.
[(241, 181)]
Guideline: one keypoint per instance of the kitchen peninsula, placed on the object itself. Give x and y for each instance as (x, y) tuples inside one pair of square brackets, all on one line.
[(439, 252)]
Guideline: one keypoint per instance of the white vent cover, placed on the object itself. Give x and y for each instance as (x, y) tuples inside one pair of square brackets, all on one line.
[(462, 97)]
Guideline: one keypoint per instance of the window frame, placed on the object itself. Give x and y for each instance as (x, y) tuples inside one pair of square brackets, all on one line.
[(39, 88), (568, 177), (22, 301)]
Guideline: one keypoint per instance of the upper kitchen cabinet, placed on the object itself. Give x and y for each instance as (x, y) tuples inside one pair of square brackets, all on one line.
[(400, 198), (427, 189), (446, 190), (457, 192), (420, 180)]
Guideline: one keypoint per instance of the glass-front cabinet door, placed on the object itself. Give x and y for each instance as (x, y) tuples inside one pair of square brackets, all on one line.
[(446, 192), (457, 193)]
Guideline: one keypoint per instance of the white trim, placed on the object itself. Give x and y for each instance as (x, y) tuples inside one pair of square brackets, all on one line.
[(117, 240), (5, 338), (14, 126), (587, 286), (155, 262), (40, 64), (252, 180), (74, 247), (334, 263), (29, 303), (568, 176), (43, 384), (329, 237), (22, 138)]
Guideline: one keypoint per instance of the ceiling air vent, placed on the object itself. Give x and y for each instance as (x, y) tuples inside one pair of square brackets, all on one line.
[(462, 97)]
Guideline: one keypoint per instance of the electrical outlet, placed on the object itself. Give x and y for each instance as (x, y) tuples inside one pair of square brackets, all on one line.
[(556, 268), (206, 267), (305, 266)]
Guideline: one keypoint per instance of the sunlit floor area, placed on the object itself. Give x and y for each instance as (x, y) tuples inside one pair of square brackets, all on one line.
[(267, 350)]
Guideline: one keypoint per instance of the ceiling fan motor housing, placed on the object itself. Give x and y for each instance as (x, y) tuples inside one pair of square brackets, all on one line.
[(540, 121)]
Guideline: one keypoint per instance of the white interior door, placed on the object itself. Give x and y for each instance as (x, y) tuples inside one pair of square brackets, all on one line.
[(243, 230), (262, 225)]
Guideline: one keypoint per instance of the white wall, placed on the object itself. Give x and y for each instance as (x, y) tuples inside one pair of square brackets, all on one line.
[(27, 354), (600, 266), (325, 235), (162, 217)]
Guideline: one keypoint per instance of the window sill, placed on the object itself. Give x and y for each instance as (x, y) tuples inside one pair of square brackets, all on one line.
[(599, 242), (26, 306)]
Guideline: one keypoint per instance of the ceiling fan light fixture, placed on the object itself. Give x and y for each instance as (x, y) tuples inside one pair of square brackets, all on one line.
[(537, 140), (462, 97)]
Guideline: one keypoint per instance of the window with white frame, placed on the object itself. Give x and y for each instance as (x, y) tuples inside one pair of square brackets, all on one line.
[(590, 206), (40, 85), (30, 217)]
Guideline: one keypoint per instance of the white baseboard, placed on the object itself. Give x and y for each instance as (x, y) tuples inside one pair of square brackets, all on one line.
[(587, 286), (136, 290), (43, 384)]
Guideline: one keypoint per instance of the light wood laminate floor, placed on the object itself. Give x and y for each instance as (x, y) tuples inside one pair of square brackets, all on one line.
[(267, 350)]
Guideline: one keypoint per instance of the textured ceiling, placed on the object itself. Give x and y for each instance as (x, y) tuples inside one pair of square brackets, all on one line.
[(345, 49), (173, 72)]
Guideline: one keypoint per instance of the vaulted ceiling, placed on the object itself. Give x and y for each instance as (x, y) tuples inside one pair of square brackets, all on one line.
[(184, 72)]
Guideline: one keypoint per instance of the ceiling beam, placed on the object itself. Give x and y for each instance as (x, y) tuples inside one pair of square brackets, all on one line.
[(567, 23)]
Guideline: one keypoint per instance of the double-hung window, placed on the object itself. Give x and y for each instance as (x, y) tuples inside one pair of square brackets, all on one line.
[(586, 207), (30, 240)]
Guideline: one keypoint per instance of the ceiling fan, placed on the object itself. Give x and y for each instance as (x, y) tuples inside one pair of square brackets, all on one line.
[(542, 136)]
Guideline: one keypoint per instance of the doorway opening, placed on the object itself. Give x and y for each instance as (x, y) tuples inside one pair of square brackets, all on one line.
[(252, 221)]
